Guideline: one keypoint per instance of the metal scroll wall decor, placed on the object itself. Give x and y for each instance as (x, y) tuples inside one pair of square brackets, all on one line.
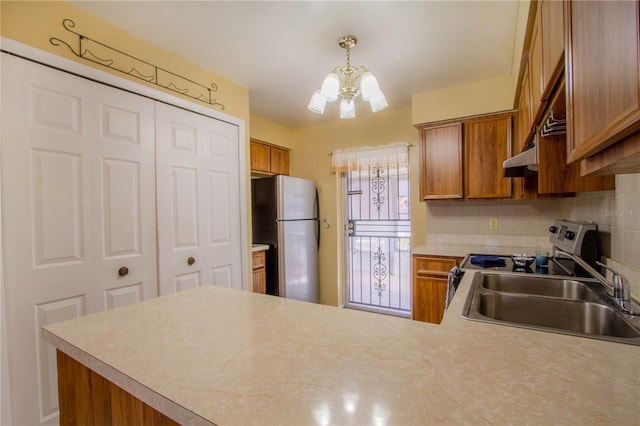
[(107, 56)]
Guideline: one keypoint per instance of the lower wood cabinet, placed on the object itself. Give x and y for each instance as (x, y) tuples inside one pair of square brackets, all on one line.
[(259, 272), (430, 275), (87, 398)]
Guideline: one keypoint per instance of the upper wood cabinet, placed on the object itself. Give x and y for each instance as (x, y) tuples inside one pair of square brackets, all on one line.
[(603, 78), (463, 159), (552, 22), (555, 176), (546, 58), (524, 118), (268, 159), (535, 67), (487, 144), (441, 162)]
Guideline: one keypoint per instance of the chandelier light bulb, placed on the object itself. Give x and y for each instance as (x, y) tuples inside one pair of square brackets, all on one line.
[(347, 108), (341, 83), (378, 102), (368, 86), (317, 103), (331, 87)]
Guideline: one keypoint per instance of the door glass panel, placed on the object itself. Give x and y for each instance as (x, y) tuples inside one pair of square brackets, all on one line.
[(378, 239)]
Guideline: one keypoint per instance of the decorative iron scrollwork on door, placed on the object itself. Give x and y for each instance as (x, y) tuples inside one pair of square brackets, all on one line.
[(107, 56), (379, 272), (378, 184)]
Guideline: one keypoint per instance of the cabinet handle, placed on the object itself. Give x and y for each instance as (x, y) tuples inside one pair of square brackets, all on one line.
[(123, 272), (191, 261)]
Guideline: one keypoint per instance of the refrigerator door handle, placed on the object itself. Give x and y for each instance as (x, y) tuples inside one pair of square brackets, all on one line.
[(317, 220)]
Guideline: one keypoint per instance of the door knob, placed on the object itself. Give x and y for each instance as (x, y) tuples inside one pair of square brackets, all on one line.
[(123, 272), (191, 261)]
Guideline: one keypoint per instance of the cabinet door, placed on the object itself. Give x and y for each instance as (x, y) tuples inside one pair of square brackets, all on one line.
[(259, 272), (524, 113), (429, 298), (198, 201), (441, 162), (279, 161), (260, 157), (603, 84), (535, 67), (552, 21), (487, 145)]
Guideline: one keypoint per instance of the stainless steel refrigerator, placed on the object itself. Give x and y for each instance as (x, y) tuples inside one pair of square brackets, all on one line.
[(285, 217)]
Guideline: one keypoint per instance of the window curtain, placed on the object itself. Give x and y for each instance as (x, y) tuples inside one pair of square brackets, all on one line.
[(364, 157)]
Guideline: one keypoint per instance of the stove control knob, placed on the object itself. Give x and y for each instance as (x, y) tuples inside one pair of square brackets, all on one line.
[(553, 229), (569, 235)]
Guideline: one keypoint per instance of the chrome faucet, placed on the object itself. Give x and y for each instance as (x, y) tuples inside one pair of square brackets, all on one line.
[(620, 292)]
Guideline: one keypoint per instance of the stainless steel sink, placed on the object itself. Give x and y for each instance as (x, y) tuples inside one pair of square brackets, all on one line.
[(562, 288), (553, 304)]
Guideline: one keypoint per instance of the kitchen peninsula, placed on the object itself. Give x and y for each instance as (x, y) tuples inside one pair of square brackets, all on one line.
[(214, 355)]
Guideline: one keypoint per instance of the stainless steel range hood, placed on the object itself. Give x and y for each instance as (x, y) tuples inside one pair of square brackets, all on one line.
[(523, 164)]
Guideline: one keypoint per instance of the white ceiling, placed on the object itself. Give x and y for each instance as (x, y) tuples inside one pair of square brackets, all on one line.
[(281, 50)]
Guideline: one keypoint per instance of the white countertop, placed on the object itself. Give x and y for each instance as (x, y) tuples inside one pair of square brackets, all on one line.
[(231, 357), (259, 247)]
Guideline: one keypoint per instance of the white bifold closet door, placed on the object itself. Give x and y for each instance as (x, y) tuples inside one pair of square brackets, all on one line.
[(78, 205), (198, 192)]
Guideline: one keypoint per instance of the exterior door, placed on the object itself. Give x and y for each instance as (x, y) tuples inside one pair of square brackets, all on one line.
[(378, 239), (198, 201), (76, 205)]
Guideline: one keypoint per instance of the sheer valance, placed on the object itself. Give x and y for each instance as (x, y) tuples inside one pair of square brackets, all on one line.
[(344, 160)]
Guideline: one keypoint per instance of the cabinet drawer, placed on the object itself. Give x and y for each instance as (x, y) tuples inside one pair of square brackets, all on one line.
[(257, 260), (423, 264)]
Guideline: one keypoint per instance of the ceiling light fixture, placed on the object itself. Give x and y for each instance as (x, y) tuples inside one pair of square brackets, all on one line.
[(341, 83)]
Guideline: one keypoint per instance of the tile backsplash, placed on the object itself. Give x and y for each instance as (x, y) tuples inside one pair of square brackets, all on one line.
[(617, 214)]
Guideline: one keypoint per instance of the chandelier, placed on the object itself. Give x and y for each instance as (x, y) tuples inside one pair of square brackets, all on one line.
[(341, 83)]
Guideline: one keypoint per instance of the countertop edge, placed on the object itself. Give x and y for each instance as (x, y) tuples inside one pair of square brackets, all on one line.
[(150, 397)]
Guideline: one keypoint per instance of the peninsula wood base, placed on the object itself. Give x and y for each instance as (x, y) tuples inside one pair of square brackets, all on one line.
[(87, 398)]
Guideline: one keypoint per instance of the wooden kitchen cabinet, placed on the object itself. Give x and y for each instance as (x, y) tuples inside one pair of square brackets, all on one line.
[(259, 272), (603, 78), (535, 67), (463, 158), (552, 24), (545, 65), (555, 175), (487, 144), (441, 162), (269, 159), (430, 274), (524, 118)]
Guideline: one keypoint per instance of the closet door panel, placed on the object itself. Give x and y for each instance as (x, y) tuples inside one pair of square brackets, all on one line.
[(220, 160), (46, 224), (180, 229), (198, 201), (123, 165)]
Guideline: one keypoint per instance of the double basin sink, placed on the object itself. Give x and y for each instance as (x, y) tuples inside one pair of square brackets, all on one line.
[(578, 307)]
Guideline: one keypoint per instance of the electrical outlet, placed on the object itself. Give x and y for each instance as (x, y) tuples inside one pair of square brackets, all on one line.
[(493, 224)]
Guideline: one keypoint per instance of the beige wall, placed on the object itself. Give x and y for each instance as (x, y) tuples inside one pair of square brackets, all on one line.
[(273, 133), (474, 98)]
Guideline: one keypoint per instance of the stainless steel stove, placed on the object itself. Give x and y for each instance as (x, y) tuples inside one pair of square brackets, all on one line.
[(578, 238)]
